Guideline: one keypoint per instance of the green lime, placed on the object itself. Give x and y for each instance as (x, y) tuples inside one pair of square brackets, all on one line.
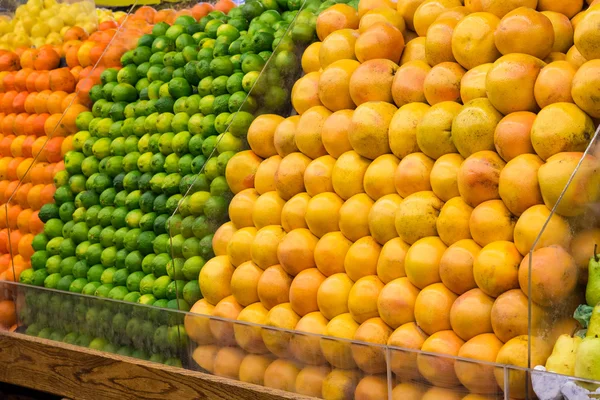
[(221, 66), (51, 281), (128, 74), (53, 227), (179, 87), (67, 248), (141, 54), (206, 250), (65, 282), (81, 249), (180, 122), (103, 290), (160, 29), (147, 298), (132, 297), (191, 292), (118, 293), (77, 285), (48, 212), (159, 263), (146, 284), (93, 253), (160, 286), (39, 242), (94, 274), (160, 224), (90, 288)]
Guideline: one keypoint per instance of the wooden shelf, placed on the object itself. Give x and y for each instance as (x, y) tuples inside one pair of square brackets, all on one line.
[(79, 373)]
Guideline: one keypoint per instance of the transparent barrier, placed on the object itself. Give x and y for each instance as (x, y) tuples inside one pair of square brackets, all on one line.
[(306, 363), (559, 271)]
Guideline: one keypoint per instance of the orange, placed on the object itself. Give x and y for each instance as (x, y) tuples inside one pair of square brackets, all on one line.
[(403, 128), (293, 212), (396, 302), (428, 11), (354, 214), (438, 44), (221, 330), (473, 40), (519, 187), (62, 79), (309, 381), (364, 6), (369, 129), (362, 299), (308, 132), (512, 135), (563, 31), (41, 101), (499, 7), (348, 173), (586, 36), (307, 348), (574, 57), (334, 133), (54, 102), (491, 221), (296, 251), (305, 92), (330, 253), (371, 359), (407, 10), (421, 263), (241, 207), (382, 14), (322, 213), (281, 316), (261, 134), (24, 246), (471, 314), (334, 18), (361, 258), (412, 174), (241, 169), (456, 266), (510, 83), (289, 178), (380, 41), (332, 296), (433, 133), (339, 45), (249, 337), (510, 315), (569, 9), (407, 86), (317, 176), (525, 31), (495, 268), (440, 370), (381, 223), (337, 352), (548, 275), (264, 179), (442, 83), (310, 58), (8, 313), (264, 246), (333, 85), (267, 210), (284, 137), (372, 81), (303, 291), (472, 84), (414, 50), (408, 391), (416, 216), (478, 177), (477, 115), (404, 363), (585, 87), (280, 374), (378, 179), (198, 11), (529, 227), (35, 224), (478, 377)]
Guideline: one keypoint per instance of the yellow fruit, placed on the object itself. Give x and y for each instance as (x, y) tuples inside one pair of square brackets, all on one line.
[(434, 130), (308, 131), (412, 174), (317, 176), (526, 31), (307, 348), (338, 45), (323, 213), (407, 86), (456, 266), (241, 169), (309, 381), (264, 179), (474, 126), (569, 9), (348, 174), (222, 237), (361, 258), (428, 11), (453, 222), (354, 216), (496, 266), (362, 299), (332, 296), (335, 133), (372, 387), (407, 10), (289, 178), (471, 314), (404, 363), (285, 136), (204, 356), (267, 210), (274, 286), (472, 85), (336, 17), (381, 218), (248, 337), (282, 374), (444, 174), (305, 93), (293, 212), (303, 291), (240, 245), (382, 14), (337, 352), (531, 228), (241, 207), (561, 127), (442, 83), (422, 260), (261, 134), (310, 58), (222, 330), (380, 41), (438, 44), (372, 81), (227, 362), (403, 128), (563, 31), (416, 216), (510, 83), (296, 251), (499, 7), (438, 370), (253, 367), (583, 190), (197, 327), (264, 246), (396, 302), (244, 283), (340, 384), (518, 187), (587, 38), (378, 179), (553, 84), (414, 51), (277, 341), (334, 83), (330, 253), (371, 359), (491, 221), (586, 87), (574, 57), (513, 135), (473, 40), (215, 279), (408, 391), (368, 133), (479, 377), (478, 177), (390, 265)]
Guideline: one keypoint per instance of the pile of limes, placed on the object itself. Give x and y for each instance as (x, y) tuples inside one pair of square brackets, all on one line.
[(144, 190)]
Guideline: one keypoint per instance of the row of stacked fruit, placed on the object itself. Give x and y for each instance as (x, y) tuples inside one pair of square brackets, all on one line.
[(399, 207)]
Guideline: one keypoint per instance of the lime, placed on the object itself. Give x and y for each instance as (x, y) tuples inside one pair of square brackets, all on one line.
[(141, 54), (184, 40), (38, 278), (81, 249), (90, 288), (221, 66), (94, 274), (212, 27), (160, 29), (175, 289), (179, 87), (158, 178), (66, 265), (108, 75), (103, 290), (145, 242), (106, 235), (160, 286), (191, 292), (65, 282), (51, 281), (252, 9), (159, 263), (146, 284), (215, 208), (252, 62), (174, 31), (171, 164), (132, 297), (185, 167), (160, 224), (66, 231), (77, 285), (53, 246), (108, 275), (108, 256), (39, 242), (120, 258), (206, 250), (127, 74), (94, 234), (179, 105), (48, 212), (53, 227), (67, 248), (118, 293), (239, 123), (147, 298), (93, 253), (131, 239), (180, 122)]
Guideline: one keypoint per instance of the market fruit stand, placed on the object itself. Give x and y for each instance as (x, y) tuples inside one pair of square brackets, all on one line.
[(344, 201)]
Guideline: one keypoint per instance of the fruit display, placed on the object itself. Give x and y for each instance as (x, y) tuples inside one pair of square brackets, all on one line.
[(332, 194)]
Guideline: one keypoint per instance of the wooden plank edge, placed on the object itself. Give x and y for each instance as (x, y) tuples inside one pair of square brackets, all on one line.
[(81, 373)]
